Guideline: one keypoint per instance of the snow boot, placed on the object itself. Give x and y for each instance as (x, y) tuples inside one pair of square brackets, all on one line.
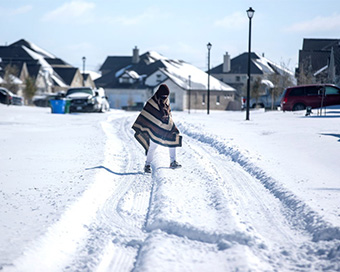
[(175, 165), (147, 168)]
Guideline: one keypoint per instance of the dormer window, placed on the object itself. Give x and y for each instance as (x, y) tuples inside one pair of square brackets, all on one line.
[(125, 80), (128, 77)]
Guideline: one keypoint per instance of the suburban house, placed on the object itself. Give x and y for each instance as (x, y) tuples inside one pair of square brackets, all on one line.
[(51, 74), (129, 80), (319, 61), (234, 72), (88, 81)]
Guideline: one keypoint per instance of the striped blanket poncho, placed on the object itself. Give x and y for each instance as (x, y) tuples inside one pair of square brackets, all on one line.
[(150, 124)]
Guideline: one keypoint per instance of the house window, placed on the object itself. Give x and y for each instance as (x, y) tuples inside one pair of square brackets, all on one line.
[(172, 98), (331, 90), (238, 78), (203, 99), (125, 80), (217, 100)]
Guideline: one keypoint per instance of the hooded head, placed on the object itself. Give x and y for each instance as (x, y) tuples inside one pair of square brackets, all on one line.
[(161, 96), (163, 91)]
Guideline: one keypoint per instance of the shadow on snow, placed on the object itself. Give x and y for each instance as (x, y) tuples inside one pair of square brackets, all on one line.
[(116, 173), (332, 134)]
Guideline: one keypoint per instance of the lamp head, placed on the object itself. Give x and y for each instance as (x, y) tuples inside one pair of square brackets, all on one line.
[(209, 45), (250, 13)]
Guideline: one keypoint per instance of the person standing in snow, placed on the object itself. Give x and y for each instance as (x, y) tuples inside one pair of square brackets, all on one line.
[(154, 126)]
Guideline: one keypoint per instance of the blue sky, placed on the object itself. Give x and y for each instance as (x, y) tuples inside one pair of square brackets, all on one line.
[(178, 29)]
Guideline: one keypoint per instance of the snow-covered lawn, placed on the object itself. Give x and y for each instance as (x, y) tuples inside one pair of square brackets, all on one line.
[(258, 195)]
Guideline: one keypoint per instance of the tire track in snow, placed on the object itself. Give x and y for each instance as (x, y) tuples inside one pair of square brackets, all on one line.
[(302, 239), (301, 214), (196, 211), (117, 231), (68, 240), (258, 213)]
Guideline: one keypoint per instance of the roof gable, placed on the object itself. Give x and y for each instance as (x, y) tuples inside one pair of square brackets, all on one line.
[(33, 47), (115, 63), (66, 73), (239, 65)]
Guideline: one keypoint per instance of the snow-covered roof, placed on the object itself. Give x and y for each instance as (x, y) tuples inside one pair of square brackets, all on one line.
[(132, 74), (179, 72), (259, 65), (94, 75), (33, 47), (121, 71), (268, 66), (176, 70), (41, 51), (154, 56), (15, 79), (39, 58), (267, 83)]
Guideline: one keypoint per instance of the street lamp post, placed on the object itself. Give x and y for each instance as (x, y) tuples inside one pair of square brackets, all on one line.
[(84, 59), (208, 102), (250, 13)]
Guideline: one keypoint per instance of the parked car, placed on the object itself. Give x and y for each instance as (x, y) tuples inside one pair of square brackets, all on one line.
[(9, 98), (86, 99), (44, 100), (265, 101), (314, 96), (135, 107)]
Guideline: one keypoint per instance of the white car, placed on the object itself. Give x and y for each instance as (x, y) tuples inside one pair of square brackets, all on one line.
[(86, 99)]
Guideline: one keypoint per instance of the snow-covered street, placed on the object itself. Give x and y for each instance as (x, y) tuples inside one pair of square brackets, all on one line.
[(258, 195)]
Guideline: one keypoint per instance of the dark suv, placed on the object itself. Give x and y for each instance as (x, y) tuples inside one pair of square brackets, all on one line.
[(314, 96), (7, 97)]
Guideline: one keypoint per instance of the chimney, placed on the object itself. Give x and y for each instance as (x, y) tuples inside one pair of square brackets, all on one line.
[(226, 63), (135, 55)]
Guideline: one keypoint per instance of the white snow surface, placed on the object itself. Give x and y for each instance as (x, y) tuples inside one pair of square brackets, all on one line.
[(258, 195)]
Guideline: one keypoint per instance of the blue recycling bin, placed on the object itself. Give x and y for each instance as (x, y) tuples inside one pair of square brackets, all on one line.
[(58, 106)]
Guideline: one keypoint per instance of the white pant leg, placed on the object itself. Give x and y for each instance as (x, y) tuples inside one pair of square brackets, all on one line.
[(172, 152), (151, 151)]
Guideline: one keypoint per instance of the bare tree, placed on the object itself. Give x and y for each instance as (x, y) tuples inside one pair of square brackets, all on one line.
[(30, 89), (256, 89), (281, 80), (304, 73)]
